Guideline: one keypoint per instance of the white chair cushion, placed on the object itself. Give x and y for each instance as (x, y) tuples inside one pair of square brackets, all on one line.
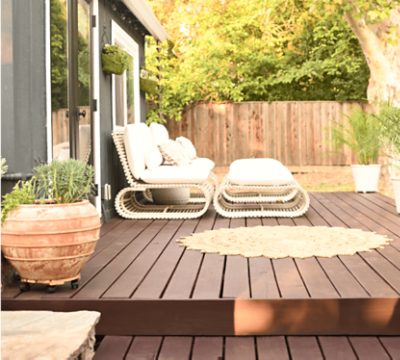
[(188, 146), (137, 140), (159, 133), (259, 172), (203, 163), (166, 174), (173, 153)]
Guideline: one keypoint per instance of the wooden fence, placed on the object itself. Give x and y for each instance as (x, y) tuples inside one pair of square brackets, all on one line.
[(60, 124), (294, 132)]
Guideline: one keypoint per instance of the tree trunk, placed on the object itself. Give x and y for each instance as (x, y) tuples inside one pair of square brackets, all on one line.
[(381, 46)]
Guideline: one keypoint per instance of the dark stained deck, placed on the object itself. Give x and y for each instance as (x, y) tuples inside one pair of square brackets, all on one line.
[(248, 348), (139, 275)]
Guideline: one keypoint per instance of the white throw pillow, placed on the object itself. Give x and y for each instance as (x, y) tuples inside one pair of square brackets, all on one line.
[(188, 146), (153, 158), (159, 133), (137, 140), (173, 153)]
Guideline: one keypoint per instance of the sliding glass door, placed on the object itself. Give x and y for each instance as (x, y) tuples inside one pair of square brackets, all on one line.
[(70, 33)]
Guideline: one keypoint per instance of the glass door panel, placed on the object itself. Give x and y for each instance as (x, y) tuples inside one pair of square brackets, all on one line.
[(70, 33), (59, 78), (84, 128)]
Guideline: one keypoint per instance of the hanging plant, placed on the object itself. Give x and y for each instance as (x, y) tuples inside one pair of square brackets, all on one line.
[(114, 59), (148, 83)]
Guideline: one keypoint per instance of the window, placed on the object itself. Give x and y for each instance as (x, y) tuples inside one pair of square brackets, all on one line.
[(126, 92)]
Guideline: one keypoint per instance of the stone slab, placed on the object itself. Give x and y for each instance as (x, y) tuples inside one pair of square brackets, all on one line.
[(48, 335)]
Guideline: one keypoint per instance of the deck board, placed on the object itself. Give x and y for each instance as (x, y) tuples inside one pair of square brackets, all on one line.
[(369, 347), (336, 348), (304, 348), (239, 348), (126, 284), (156, 280), (260, 347), (144, 348), (182, 281), (139, 260), (272, 347), (111, 273), (392, 346), (205, 348), (113, 347), (176, 347)]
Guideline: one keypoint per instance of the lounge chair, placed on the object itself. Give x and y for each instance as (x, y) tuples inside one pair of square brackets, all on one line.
[(260, 188), (137, 147)]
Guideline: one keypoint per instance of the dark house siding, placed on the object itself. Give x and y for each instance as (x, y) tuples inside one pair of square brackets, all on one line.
[(111, 172), (23, 90), (23, 110)]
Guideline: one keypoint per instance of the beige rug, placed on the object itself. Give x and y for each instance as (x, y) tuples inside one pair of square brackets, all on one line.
[(283, 241)]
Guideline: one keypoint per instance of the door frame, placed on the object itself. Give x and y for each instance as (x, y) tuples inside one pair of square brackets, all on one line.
[(94, 93), (132, 48)]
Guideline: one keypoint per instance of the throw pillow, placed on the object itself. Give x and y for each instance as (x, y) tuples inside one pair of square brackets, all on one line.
[(159, 133), (153, 158), (188, 146), (173, 153)]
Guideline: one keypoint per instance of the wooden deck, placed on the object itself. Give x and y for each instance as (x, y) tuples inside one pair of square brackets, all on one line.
[(145, 284), (248, 348)]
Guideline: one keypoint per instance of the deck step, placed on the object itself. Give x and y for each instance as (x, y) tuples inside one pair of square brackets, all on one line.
[(249, 348), (228, 317)]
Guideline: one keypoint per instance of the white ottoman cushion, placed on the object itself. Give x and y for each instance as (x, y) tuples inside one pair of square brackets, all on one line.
[(259, 172)]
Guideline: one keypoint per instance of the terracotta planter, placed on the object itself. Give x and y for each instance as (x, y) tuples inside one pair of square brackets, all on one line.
[(366, 177), (49, 244)]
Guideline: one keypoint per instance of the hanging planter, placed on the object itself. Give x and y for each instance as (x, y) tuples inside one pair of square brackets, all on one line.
[(148, 82), (114, 59), (148, 86)]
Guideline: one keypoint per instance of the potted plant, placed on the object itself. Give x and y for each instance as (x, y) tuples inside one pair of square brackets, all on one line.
[(389, 117), (114, 59), (362, 135), (148, 83), (49, 228)]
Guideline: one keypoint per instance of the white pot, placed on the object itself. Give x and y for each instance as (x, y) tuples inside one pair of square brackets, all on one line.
[(173, 196), (396, 190), (366, 177)]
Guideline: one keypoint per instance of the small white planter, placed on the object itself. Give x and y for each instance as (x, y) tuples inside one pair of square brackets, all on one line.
[(175, 196), (366, 177), (396, 190)]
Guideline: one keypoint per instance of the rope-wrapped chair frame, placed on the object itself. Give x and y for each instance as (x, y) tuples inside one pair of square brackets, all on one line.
[(235, 201), (130, 205)]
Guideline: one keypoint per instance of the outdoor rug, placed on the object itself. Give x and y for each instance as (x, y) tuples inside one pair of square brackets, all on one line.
[(285, 241)]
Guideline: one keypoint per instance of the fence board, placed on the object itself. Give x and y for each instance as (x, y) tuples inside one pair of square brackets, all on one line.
[(294, 132)]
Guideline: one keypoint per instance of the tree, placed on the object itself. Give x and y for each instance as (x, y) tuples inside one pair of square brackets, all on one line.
[(266, 50), (377, 27)]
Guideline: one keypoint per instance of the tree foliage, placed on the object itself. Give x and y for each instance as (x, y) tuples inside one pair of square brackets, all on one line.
[(239, 50)]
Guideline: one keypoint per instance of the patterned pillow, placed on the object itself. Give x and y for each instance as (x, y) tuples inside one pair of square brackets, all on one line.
[(173, 153), (188, 146)]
